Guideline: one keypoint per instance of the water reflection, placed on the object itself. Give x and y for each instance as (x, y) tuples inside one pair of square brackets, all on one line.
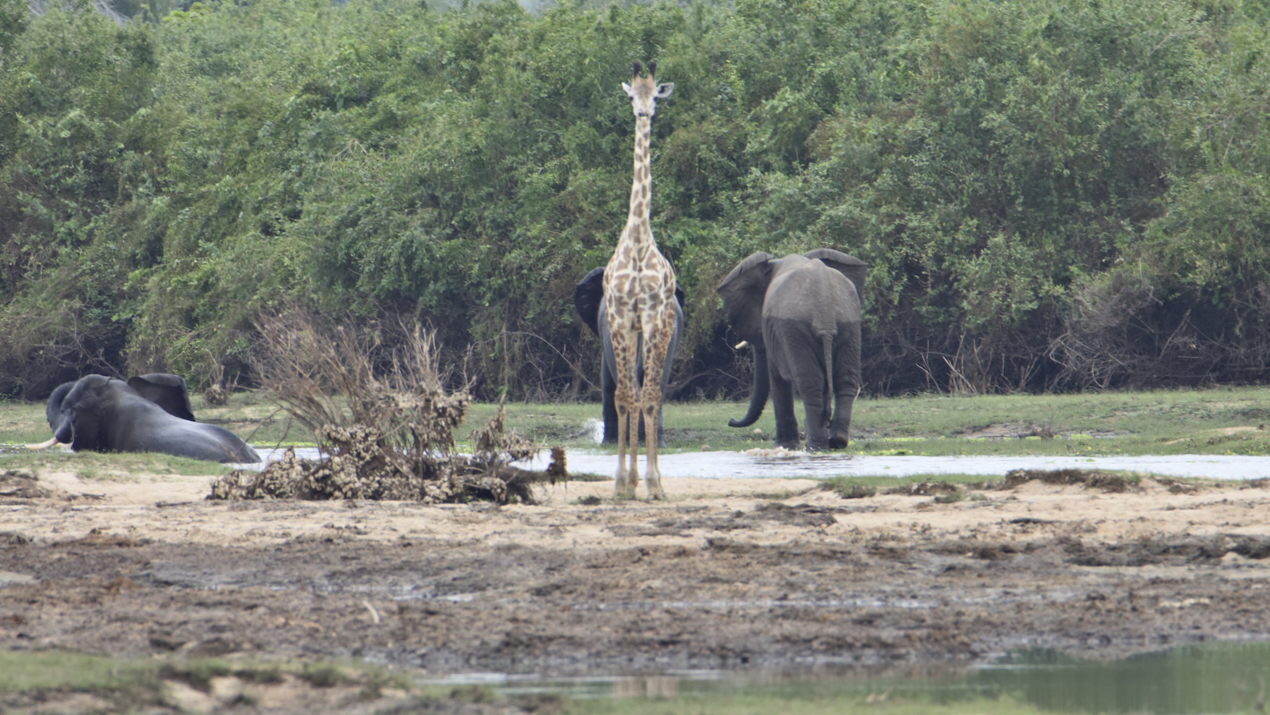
[(1191, 679)]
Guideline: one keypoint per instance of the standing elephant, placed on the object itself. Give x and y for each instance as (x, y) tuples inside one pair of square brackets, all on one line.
[(588, 298), (148, 413), (801, 316)]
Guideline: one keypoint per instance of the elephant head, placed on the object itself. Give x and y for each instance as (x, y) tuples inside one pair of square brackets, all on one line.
[(807, 304)]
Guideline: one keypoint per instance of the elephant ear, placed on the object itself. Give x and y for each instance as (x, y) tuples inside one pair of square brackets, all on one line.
[(743, 292), (587, 296), (853, 268), (167, 391), (53, 410)]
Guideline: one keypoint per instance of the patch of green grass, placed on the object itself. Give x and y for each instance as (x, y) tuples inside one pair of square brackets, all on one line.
[(115, 465), (23, 422), (253, 417), (1213, 421), (22, 671)]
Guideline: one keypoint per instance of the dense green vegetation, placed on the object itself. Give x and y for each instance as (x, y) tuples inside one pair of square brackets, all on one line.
[(1052, 195)]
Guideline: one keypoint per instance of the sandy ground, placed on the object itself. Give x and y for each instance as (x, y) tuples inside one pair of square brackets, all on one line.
[(737, 573)]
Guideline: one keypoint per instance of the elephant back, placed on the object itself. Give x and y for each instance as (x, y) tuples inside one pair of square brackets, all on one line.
[(853, 268)]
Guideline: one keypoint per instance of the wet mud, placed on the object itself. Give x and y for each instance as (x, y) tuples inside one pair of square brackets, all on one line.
[(729, 574)]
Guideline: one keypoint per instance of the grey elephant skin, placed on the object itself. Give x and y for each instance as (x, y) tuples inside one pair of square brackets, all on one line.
[(148, 413), (801, 316), (588, 298)]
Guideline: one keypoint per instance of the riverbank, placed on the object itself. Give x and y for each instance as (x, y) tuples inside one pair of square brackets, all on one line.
[(727, 574)]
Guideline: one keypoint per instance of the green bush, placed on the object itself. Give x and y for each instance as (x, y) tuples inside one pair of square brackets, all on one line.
[(1045, 192)]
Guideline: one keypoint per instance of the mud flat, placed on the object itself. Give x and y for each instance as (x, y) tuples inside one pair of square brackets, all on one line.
[(730, 573)]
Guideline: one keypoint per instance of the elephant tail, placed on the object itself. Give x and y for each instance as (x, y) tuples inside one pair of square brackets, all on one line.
[(826, 341)]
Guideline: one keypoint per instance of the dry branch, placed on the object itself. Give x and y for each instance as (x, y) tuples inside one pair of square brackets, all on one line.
[(382, 416)]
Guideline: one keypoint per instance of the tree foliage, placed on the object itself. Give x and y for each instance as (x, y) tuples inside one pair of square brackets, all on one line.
[(1051, 195)]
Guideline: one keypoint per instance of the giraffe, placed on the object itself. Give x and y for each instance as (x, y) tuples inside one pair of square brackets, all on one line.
[(639, 295)]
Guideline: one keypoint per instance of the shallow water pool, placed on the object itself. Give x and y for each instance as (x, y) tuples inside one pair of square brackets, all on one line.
[(767, 463), (1192, 679)]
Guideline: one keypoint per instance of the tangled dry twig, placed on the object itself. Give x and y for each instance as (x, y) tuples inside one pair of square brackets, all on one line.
[(383, 419)]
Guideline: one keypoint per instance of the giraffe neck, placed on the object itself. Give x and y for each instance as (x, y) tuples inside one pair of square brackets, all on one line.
[(642, 186)]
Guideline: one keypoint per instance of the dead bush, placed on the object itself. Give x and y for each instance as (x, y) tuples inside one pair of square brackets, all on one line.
[(1138, 327), (382, 417)]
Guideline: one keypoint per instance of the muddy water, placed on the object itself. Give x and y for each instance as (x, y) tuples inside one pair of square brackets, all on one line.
[(772, 463)]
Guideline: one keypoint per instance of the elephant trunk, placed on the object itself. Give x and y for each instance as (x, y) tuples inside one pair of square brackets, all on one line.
[(762, 386)]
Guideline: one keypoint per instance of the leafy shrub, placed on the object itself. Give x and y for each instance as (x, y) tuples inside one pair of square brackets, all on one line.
[(1003, 167)]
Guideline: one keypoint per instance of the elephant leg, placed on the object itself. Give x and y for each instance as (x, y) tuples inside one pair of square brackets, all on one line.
[(846, 387), (608, 386), (816, 410), (782, 391), (841, 425)]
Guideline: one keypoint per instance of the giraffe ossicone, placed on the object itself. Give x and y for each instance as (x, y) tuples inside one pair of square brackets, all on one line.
[(639, 299)]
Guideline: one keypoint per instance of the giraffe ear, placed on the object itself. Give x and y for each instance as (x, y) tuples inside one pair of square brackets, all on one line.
[(664, 90), (629, 92)]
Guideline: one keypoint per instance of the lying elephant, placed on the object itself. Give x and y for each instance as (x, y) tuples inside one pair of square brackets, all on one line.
[(801, 315), (588, 298), (148, 413)]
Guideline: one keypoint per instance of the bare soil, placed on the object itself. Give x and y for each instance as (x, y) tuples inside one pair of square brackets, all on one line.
[(727, 574)]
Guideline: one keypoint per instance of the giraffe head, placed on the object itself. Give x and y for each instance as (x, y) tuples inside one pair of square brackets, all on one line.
[(644, 91)]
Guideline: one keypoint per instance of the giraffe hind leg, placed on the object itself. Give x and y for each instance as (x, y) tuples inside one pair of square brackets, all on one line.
[(657, 345)]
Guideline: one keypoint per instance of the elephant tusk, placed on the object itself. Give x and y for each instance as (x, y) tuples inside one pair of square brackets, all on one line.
[(43, 445), (740, 345)]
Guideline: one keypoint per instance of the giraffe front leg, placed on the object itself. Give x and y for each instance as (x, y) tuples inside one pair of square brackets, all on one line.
[(620, 487), (627, 439), (627, 422), (632, 473)]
